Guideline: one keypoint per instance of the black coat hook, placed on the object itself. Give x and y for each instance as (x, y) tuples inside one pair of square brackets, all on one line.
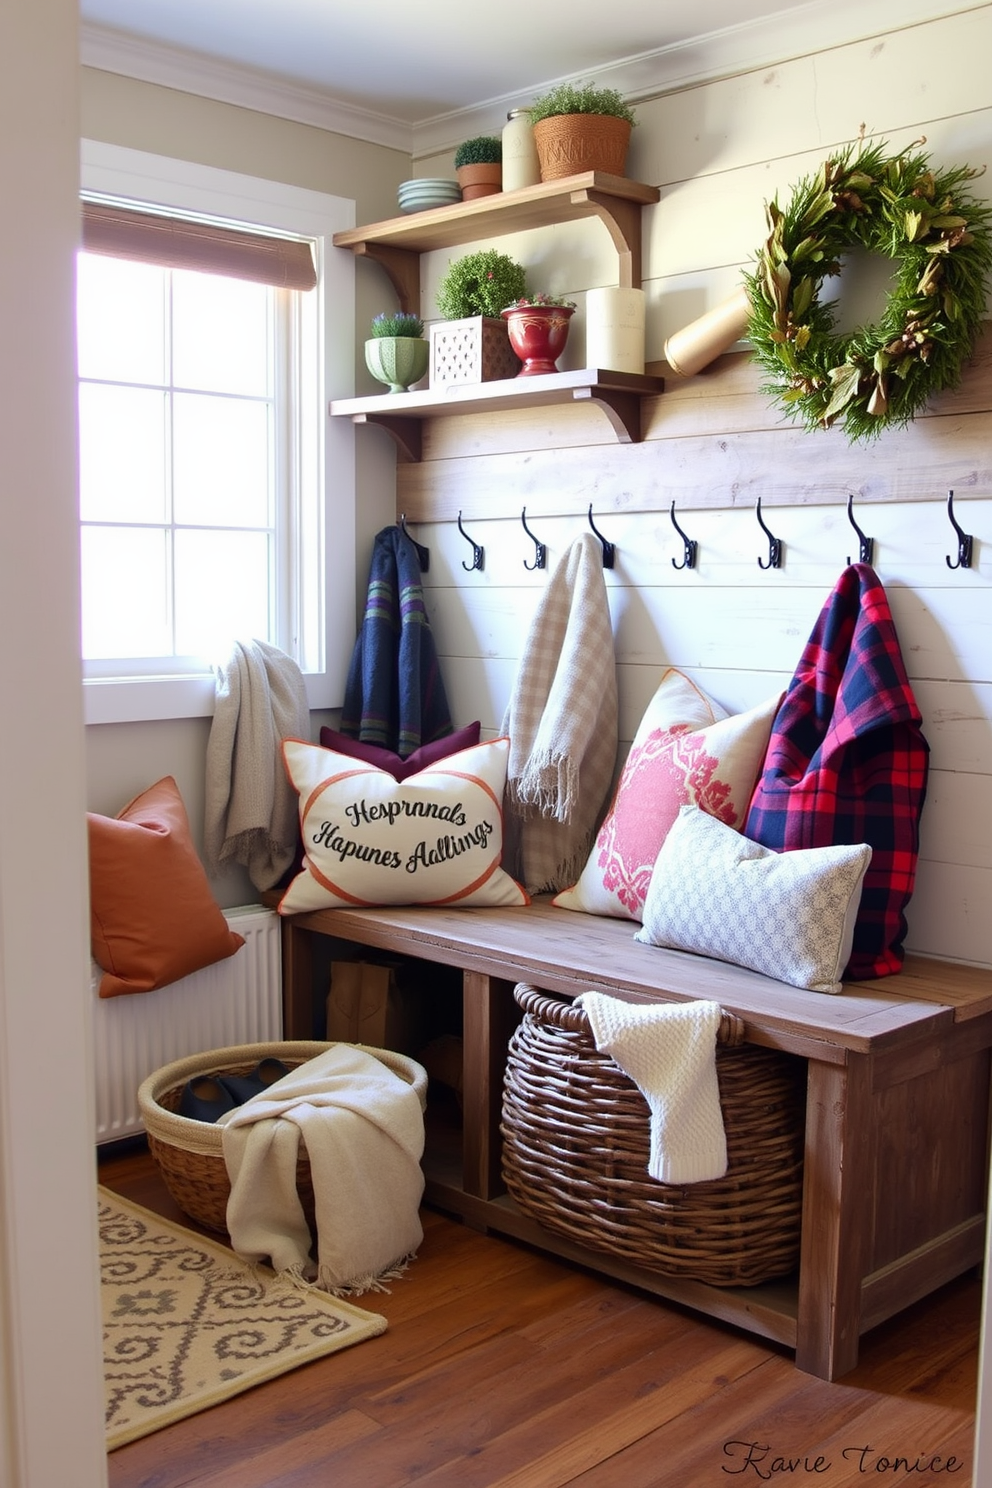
[(774, 559), (540, 550), (965, 539), (423, 554), (866, 552), (691, 546), (609, 549), (478, 553)]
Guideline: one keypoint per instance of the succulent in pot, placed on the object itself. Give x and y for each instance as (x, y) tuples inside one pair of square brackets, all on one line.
[(396, 352), (482, 283), (471, 343), (579, 127), (479, 166)]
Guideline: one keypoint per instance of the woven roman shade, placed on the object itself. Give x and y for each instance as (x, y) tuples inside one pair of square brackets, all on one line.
[(181, 243)]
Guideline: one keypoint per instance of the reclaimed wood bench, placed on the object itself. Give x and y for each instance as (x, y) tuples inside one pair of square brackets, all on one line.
[(897, 1113)]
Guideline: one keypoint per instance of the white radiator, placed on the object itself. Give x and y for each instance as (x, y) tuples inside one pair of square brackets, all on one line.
[(236, 1001)]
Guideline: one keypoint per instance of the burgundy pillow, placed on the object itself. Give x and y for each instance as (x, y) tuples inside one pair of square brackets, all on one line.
[(385, 759)]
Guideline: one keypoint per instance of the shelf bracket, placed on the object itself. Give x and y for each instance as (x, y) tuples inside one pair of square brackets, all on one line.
[(622, 219), (402, 268), (622, 409), (407, 433)]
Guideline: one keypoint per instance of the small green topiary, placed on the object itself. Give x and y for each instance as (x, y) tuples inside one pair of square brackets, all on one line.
[(484, 149), (480, 284), (584, 98), (400, 324)]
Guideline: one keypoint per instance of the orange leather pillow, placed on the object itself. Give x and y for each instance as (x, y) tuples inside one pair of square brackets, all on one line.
[(153, 918)]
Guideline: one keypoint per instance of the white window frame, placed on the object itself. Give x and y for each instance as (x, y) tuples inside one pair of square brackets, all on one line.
[(134, 175)]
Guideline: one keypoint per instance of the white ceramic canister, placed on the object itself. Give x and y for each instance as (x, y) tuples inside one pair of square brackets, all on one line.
[(520, 163), (615, 329)]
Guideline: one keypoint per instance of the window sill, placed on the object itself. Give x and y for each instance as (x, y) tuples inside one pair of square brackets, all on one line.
[(148, 699)]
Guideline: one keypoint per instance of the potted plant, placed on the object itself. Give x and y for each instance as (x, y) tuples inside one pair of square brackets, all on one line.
[(479, 166), (538, 330), (579, 127), (396, 352), (471, 343)]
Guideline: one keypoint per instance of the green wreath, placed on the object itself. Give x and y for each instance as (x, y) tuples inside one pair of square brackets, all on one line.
[(880, 375)]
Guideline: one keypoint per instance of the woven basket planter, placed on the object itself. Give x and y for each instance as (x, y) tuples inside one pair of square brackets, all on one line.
[(190, 1154), (576, 1141), (570, 144)]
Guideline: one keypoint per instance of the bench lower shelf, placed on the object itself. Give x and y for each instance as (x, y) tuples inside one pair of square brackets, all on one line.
[(769, 1310)]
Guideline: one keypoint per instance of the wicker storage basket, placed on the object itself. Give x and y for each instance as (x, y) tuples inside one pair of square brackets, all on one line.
[(190, 1154), (576, 1141)]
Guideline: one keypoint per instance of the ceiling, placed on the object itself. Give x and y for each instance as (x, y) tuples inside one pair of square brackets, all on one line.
[(416, 60)]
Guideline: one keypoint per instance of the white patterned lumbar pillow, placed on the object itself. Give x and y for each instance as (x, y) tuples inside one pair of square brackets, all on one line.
[(789, 915)]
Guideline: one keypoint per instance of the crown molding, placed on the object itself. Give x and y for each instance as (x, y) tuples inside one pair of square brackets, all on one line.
[(109, 50), (767, 42)]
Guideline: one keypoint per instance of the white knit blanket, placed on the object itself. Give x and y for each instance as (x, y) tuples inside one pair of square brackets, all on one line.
[(250, 808), (669, 1051), (562, 725), (363, 1129)]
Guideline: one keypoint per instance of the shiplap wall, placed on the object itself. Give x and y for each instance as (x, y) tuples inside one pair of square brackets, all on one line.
[(717, 151)]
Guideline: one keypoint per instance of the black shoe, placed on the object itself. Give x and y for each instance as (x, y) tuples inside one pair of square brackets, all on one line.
[(242, 1087), (205, 1098)]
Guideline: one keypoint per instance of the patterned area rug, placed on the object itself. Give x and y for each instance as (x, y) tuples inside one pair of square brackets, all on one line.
[(186, 1324)]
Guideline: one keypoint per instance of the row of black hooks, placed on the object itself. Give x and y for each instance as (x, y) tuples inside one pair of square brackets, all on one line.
[(866, 548), (690, 548), (540, 549)]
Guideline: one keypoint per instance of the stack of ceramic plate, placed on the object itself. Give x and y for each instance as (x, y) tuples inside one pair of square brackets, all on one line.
[(420, 195)]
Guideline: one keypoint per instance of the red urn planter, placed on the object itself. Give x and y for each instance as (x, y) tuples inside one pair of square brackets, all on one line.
[(538, 334)]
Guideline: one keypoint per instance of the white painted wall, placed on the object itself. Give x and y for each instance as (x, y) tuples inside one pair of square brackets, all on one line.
[(51, 1381), (717, 151)]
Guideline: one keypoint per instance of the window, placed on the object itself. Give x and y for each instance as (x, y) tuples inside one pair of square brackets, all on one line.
[(206, 506)]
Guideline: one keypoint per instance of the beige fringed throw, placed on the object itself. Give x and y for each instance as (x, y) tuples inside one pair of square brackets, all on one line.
[(363, 1128), (562, 725), (251, 811)]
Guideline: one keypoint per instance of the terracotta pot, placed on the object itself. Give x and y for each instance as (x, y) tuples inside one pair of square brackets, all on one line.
[(480, 180), (703, 340), (570, 144), (538, 334)]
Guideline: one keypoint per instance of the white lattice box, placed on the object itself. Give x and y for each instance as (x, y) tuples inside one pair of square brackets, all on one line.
[(476, 349)]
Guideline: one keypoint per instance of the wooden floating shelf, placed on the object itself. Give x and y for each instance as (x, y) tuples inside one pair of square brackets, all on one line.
[(397, 243), (618, 394)]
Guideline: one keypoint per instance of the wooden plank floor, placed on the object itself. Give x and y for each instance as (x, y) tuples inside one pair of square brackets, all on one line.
[(503, 1368)]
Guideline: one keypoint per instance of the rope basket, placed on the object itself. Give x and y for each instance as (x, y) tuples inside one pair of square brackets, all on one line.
[(190, 1154), (570, 144), (576, 1141)]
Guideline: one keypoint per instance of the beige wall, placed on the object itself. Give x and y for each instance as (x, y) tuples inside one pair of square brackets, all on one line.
[(122, 759)]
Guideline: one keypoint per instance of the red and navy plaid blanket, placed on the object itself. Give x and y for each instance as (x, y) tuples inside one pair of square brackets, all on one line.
[(847, 762)]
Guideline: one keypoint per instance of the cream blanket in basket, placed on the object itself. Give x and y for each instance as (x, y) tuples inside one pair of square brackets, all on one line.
[(363, 1128), (669, 1051)]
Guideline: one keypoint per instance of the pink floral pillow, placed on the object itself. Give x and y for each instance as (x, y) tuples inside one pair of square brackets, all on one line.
[(687, 751)]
